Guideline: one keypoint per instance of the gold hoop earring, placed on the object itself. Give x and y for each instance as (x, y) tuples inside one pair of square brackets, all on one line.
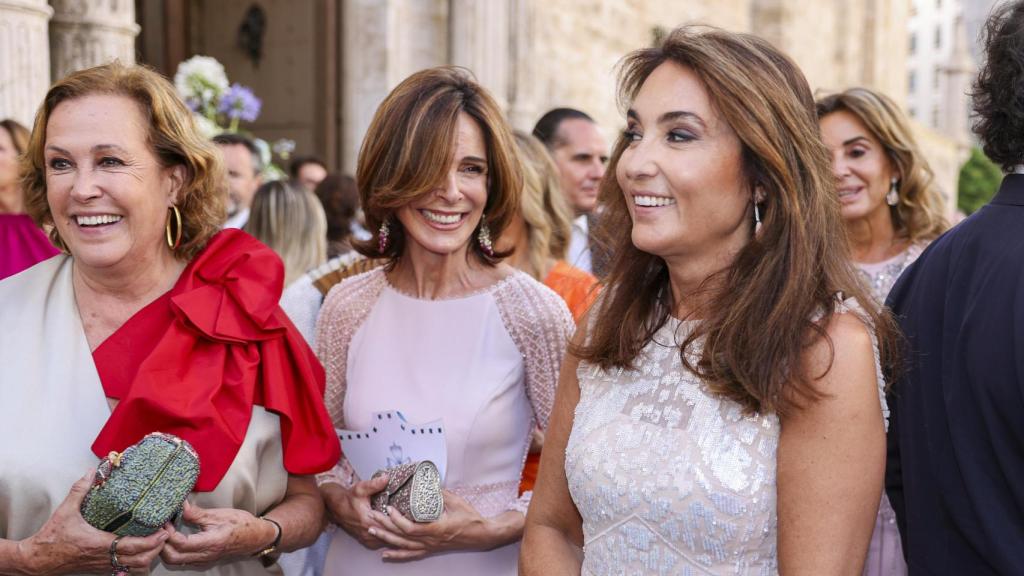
[(176, 241)]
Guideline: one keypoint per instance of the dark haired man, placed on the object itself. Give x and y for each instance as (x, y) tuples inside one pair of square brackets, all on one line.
[(307, 171), (956, 438), (580, 152), (244, 168)]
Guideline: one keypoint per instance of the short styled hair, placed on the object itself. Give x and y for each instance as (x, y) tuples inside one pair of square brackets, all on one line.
[(409, 147), (340, 198), (998, 111), (920, 213), (236, 139), (299, 161), (547, 128), (173, 138)]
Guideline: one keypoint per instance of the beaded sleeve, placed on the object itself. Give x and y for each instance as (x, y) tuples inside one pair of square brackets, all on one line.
[(345, 309), (851, 305), (540, 325)]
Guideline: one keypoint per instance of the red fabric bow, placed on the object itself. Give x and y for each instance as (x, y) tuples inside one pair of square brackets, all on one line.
[(194, 362)]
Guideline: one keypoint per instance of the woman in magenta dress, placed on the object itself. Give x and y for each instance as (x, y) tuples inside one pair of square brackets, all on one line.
[(22, 243)]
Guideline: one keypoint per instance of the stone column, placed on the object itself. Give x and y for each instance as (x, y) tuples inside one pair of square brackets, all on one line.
[(523, 94), (24, 58), (480, 39), (84, 34)]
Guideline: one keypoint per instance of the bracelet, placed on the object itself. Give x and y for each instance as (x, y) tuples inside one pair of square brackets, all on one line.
[(265, 555)]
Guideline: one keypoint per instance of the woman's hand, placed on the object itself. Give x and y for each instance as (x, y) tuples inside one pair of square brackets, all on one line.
[(350, 508), (224, 534), (67, 543), (460, 527)]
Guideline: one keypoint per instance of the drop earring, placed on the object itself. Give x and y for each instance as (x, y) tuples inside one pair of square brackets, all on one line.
[(892, 197), (382, 237), (484, 237), (757, 218)]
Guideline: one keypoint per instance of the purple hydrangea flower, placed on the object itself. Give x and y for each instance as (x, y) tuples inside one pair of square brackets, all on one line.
[(239, 103)]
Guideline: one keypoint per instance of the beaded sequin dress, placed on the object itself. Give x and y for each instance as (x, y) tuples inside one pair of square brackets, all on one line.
[(668, 478), (885, 554)]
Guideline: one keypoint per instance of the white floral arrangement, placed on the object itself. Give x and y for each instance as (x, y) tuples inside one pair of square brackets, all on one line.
[(219, 106)]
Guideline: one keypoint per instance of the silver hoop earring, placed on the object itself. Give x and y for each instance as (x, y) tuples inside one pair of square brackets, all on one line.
[(892, 198)]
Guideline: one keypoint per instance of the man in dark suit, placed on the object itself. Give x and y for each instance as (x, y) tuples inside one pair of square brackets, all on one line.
[(955, 473)]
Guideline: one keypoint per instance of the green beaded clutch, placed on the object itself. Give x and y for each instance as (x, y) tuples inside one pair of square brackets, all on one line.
[(137, 491)]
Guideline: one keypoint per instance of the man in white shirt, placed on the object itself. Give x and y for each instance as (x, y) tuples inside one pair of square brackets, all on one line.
[(581, 153), (244, 168)]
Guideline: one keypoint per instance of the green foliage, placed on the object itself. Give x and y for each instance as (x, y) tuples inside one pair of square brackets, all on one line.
[(979, 181)]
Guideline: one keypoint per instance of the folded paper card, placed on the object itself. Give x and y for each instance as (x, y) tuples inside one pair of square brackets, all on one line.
[(392, 441)]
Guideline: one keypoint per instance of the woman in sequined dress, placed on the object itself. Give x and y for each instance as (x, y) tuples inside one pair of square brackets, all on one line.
[(891, 210), (723, 412), (890, 206), (445, 330)]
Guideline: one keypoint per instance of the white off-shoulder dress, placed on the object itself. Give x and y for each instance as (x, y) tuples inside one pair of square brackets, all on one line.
[(486, 364)]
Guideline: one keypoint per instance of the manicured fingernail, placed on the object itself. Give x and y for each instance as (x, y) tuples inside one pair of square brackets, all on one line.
[(373, 532)]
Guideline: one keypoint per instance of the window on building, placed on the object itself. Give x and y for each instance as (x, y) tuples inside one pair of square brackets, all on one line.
[(936, 116), (936, 79), (913, 112), (911, 81), (913, 42), (938, 38)]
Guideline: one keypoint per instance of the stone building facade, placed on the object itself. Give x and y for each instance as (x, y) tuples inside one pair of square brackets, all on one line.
[(323, 66)]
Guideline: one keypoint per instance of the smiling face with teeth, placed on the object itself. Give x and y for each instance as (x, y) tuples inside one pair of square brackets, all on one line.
[(108, 193), (443, 220), (861, 166), (682, 172)]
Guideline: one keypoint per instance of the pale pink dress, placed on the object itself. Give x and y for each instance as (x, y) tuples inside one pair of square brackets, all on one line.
[(885, 554), (486, 363)]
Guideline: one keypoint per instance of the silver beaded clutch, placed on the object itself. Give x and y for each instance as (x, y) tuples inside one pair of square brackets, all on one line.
[(413, 489)]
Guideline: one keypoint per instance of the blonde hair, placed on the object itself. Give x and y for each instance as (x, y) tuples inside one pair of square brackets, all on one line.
[(920, 213), (543, 208), (291, 221), (173, 138)]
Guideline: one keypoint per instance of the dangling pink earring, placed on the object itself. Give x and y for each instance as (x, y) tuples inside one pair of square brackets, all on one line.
[(484, 237), (382, 237)]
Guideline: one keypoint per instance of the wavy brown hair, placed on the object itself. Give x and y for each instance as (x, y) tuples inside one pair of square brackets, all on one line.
[(408, 149), (920, 213), (173, 138), (765, 309)]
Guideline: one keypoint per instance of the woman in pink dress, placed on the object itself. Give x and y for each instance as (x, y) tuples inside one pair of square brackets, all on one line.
[(22, 243), (891, 210), (444, 331)]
